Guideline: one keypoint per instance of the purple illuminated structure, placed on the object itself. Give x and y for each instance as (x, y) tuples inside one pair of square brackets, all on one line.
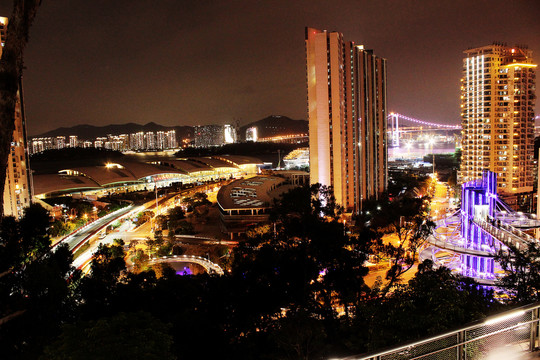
[(483, 226), (478, 199)]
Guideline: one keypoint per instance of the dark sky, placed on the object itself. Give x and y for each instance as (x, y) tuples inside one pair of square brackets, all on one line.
[(179, 62)]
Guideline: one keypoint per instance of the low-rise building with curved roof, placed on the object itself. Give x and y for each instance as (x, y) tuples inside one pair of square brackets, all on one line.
[(131, 175), (247, 202)]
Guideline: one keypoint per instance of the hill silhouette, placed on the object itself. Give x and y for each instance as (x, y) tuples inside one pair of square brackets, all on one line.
[(276, 125), (90, 132)]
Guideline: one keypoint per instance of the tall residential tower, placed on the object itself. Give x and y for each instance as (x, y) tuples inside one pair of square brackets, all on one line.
[(347, 118), (17, 193), (497, 117)]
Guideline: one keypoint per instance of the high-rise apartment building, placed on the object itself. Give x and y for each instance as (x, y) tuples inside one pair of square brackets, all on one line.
[(136, 141), (73, 141), (230, 136), (150, 140), (17, 186), (170, 137), (497, 116), (60, 142), (347, 118), (160, 140)]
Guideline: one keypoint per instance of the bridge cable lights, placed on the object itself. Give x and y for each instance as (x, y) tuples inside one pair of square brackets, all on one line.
[(422, 122)]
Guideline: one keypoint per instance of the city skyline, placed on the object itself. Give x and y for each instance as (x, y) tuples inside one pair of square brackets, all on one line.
[(179, 64)]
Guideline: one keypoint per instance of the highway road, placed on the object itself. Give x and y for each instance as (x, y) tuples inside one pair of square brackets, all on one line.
[(126, 232), (77, 238)]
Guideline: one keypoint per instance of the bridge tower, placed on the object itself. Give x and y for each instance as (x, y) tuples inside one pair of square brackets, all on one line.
[(394, 129)]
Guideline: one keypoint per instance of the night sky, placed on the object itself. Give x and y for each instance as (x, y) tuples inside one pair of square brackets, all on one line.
[(178, 62)]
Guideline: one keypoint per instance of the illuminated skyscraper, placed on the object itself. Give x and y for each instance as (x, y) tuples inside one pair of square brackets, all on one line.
[(17, 191), (497, 116), (347, 118)]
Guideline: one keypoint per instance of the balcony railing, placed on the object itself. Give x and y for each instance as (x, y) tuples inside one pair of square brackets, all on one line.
[(504, 336)]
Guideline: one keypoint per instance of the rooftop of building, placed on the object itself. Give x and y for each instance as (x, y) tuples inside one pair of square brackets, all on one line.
[(255, 192), (80, 174)]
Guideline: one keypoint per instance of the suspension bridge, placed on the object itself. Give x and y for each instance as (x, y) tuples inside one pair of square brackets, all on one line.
[(396, 130)]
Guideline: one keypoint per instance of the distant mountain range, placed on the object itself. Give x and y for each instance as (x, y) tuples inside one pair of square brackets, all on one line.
[(274, 125)]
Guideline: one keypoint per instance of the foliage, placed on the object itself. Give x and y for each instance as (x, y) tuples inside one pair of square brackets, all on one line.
[(159, 246), (143, 217), (298, 336), (184, 228), (123, 336), (36, 284), (139, 259), (296, 292), (309, 264), (437, 300), (406, 219), (174, 218), (198, 199), (107, 272), (61, 228), (522, 273)]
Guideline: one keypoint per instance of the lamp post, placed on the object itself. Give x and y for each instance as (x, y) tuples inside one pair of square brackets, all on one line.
[(431, 142)]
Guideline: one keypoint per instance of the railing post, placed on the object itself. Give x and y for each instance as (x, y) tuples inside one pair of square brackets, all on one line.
[(461, 355), (534, 329)]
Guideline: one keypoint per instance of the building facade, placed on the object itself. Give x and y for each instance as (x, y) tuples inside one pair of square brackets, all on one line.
[(497, 117), (347, 118), (209, 135), (17, 190)]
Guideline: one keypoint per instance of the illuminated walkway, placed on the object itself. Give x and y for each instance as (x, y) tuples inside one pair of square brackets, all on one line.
[(210, 267), (469, 240)]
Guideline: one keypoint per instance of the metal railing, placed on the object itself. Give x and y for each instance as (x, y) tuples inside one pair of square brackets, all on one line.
[(503, 336)]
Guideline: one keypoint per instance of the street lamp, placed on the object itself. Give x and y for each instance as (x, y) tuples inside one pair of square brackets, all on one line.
[(431, 142)]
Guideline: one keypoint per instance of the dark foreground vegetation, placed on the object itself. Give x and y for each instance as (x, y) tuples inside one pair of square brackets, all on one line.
[(293, 291)]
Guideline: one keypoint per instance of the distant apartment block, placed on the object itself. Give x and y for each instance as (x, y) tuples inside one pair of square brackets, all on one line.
[(170, 140), (346, 87), (60, 142), (73, 141), (162, 140), (497, 116), (230, 134), (209, 135), (251, 134)]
